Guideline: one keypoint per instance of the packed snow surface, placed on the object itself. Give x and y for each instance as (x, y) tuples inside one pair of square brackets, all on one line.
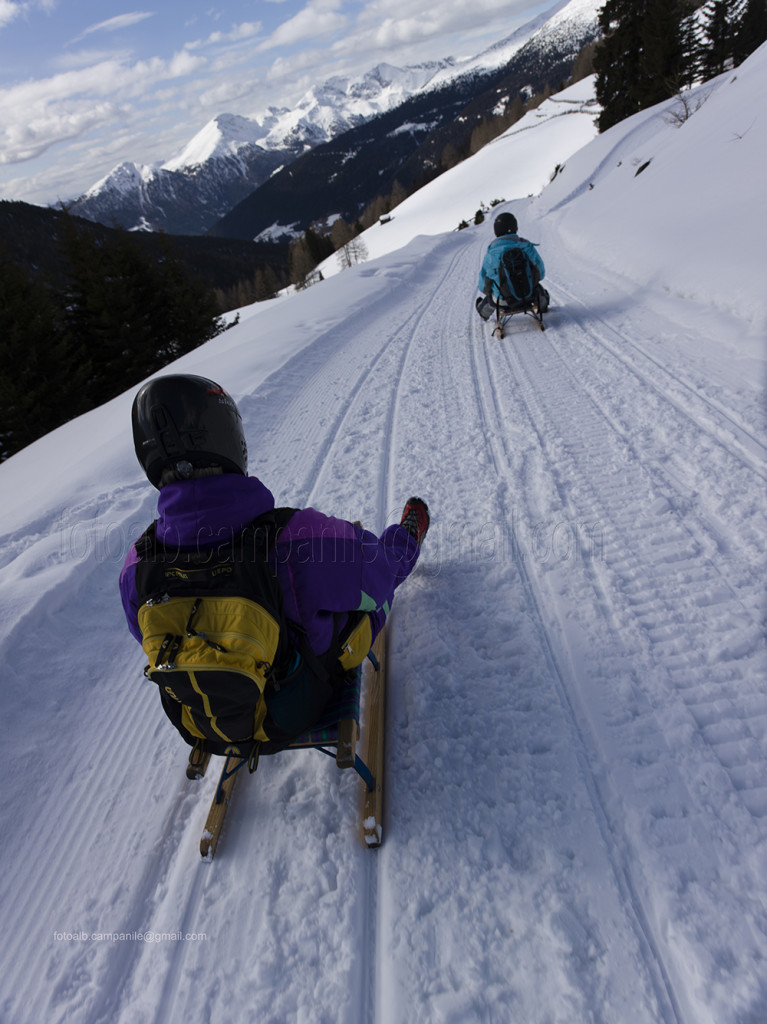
[(576, 824)]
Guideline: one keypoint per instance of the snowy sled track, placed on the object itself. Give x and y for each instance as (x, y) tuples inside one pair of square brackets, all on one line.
[(671, 576), (494, 385), (706, 413), (646, 577), (338, 404)]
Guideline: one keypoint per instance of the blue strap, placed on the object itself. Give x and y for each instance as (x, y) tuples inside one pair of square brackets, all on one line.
[(359, 766)]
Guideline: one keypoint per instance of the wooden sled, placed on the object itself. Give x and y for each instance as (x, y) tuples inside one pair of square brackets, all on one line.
[(336, 734), (503, 315)]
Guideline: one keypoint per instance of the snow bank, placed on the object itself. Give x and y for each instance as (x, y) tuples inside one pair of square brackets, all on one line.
[(678, 205)]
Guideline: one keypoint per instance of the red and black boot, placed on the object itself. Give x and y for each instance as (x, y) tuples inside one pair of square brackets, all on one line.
[(415, 518)]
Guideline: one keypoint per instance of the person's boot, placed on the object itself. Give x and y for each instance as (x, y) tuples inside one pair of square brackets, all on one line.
[(415, 518), (485, 306)]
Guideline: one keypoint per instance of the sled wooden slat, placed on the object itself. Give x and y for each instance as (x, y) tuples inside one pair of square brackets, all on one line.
[(218, 808), (372, 813)]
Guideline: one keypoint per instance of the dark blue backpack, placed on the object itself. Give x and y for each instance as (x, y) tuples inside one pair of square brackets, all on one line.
[(517, 278)]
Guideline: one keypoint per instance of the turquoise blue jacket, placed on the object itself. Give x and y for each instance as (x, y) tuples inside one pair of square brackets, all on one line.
[(488, 275)]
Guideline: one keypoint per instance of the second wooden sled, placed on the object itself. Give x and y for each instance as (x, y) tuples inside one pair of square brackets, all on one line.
[(503, 315)]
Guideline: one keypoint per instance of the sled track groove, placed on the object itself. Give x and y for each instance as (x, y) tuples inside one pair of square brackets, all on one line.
[(312, 380), (674, 576), (702, 411), (418, 320), (677, 562), (486, 357), (349, 408), (408, 336)]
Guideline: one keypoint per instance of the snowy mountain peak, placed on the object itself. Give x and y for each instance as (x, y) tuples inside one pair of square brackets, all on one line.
[(322, 112), (574, 15), (221, 137), (123, 179), (570, 19)]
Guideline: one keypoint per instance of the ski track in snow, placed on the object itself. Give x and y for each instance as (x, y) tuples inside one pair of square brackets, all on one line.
[(492, 383), (575, 700)]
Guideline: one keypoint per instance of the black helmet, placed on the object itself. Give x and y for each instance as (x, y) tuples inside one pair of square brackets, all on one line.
[(184, 423), (505, 224)]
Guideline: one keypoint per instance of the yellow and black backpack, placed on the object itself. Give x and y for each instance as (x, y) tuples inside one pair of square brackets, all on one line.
[(232, 671)]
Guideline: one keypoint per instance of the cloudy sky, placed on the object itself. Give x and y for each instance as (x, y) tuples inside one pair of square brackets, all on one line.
[(87, 84)]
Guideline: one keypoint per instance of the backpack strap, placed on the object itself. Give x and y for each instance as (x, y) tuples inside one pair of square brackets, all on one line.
[(258, 540), (146, 545)]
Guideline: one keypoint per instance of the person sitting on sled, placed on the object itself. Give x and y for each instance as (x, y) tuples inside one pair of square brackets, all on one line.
[(189, 439), (506, 238)]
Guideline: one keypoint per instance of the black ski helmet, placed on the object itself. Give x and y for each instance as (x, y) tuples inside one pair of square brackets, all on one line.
[(182, 422), (505, 224)]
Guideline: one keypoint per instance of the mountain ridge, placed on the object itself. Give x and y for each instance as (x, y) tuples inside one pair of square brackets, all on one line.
[(404, 148), (233, 155)]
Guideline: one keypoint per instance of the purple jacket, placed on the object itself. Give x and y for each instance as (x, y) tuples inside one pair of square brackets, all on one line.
[(324, 565)]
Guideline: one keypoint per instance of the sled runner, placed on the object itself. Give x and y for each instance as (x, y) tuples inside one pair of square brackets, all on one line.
[(336, 734), (503, 315)]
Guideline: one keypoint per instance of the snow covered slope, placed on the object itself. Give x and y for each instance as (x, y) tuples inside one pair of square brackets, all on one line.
[(518, 163), (577, 824)]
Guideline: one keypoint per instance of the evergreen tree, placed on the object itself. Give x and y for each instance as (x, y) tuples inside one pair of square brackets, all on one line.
[(689, 40), (132, 314), (664, 61), (183, 314), (618, 60), (122, 315), (720, 23), (319, 246), (640, 60), (42, 372), (751, 30)]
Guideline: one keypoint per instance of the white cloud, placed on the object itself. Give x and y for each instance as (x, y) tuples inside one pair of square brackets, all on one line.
[(237, 33), (402, 31), (25, 140), (246, 30), (87, 58), (9, 11), (320, 18), (39, 113), (119, 22), (221, 96), (391, 23)]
